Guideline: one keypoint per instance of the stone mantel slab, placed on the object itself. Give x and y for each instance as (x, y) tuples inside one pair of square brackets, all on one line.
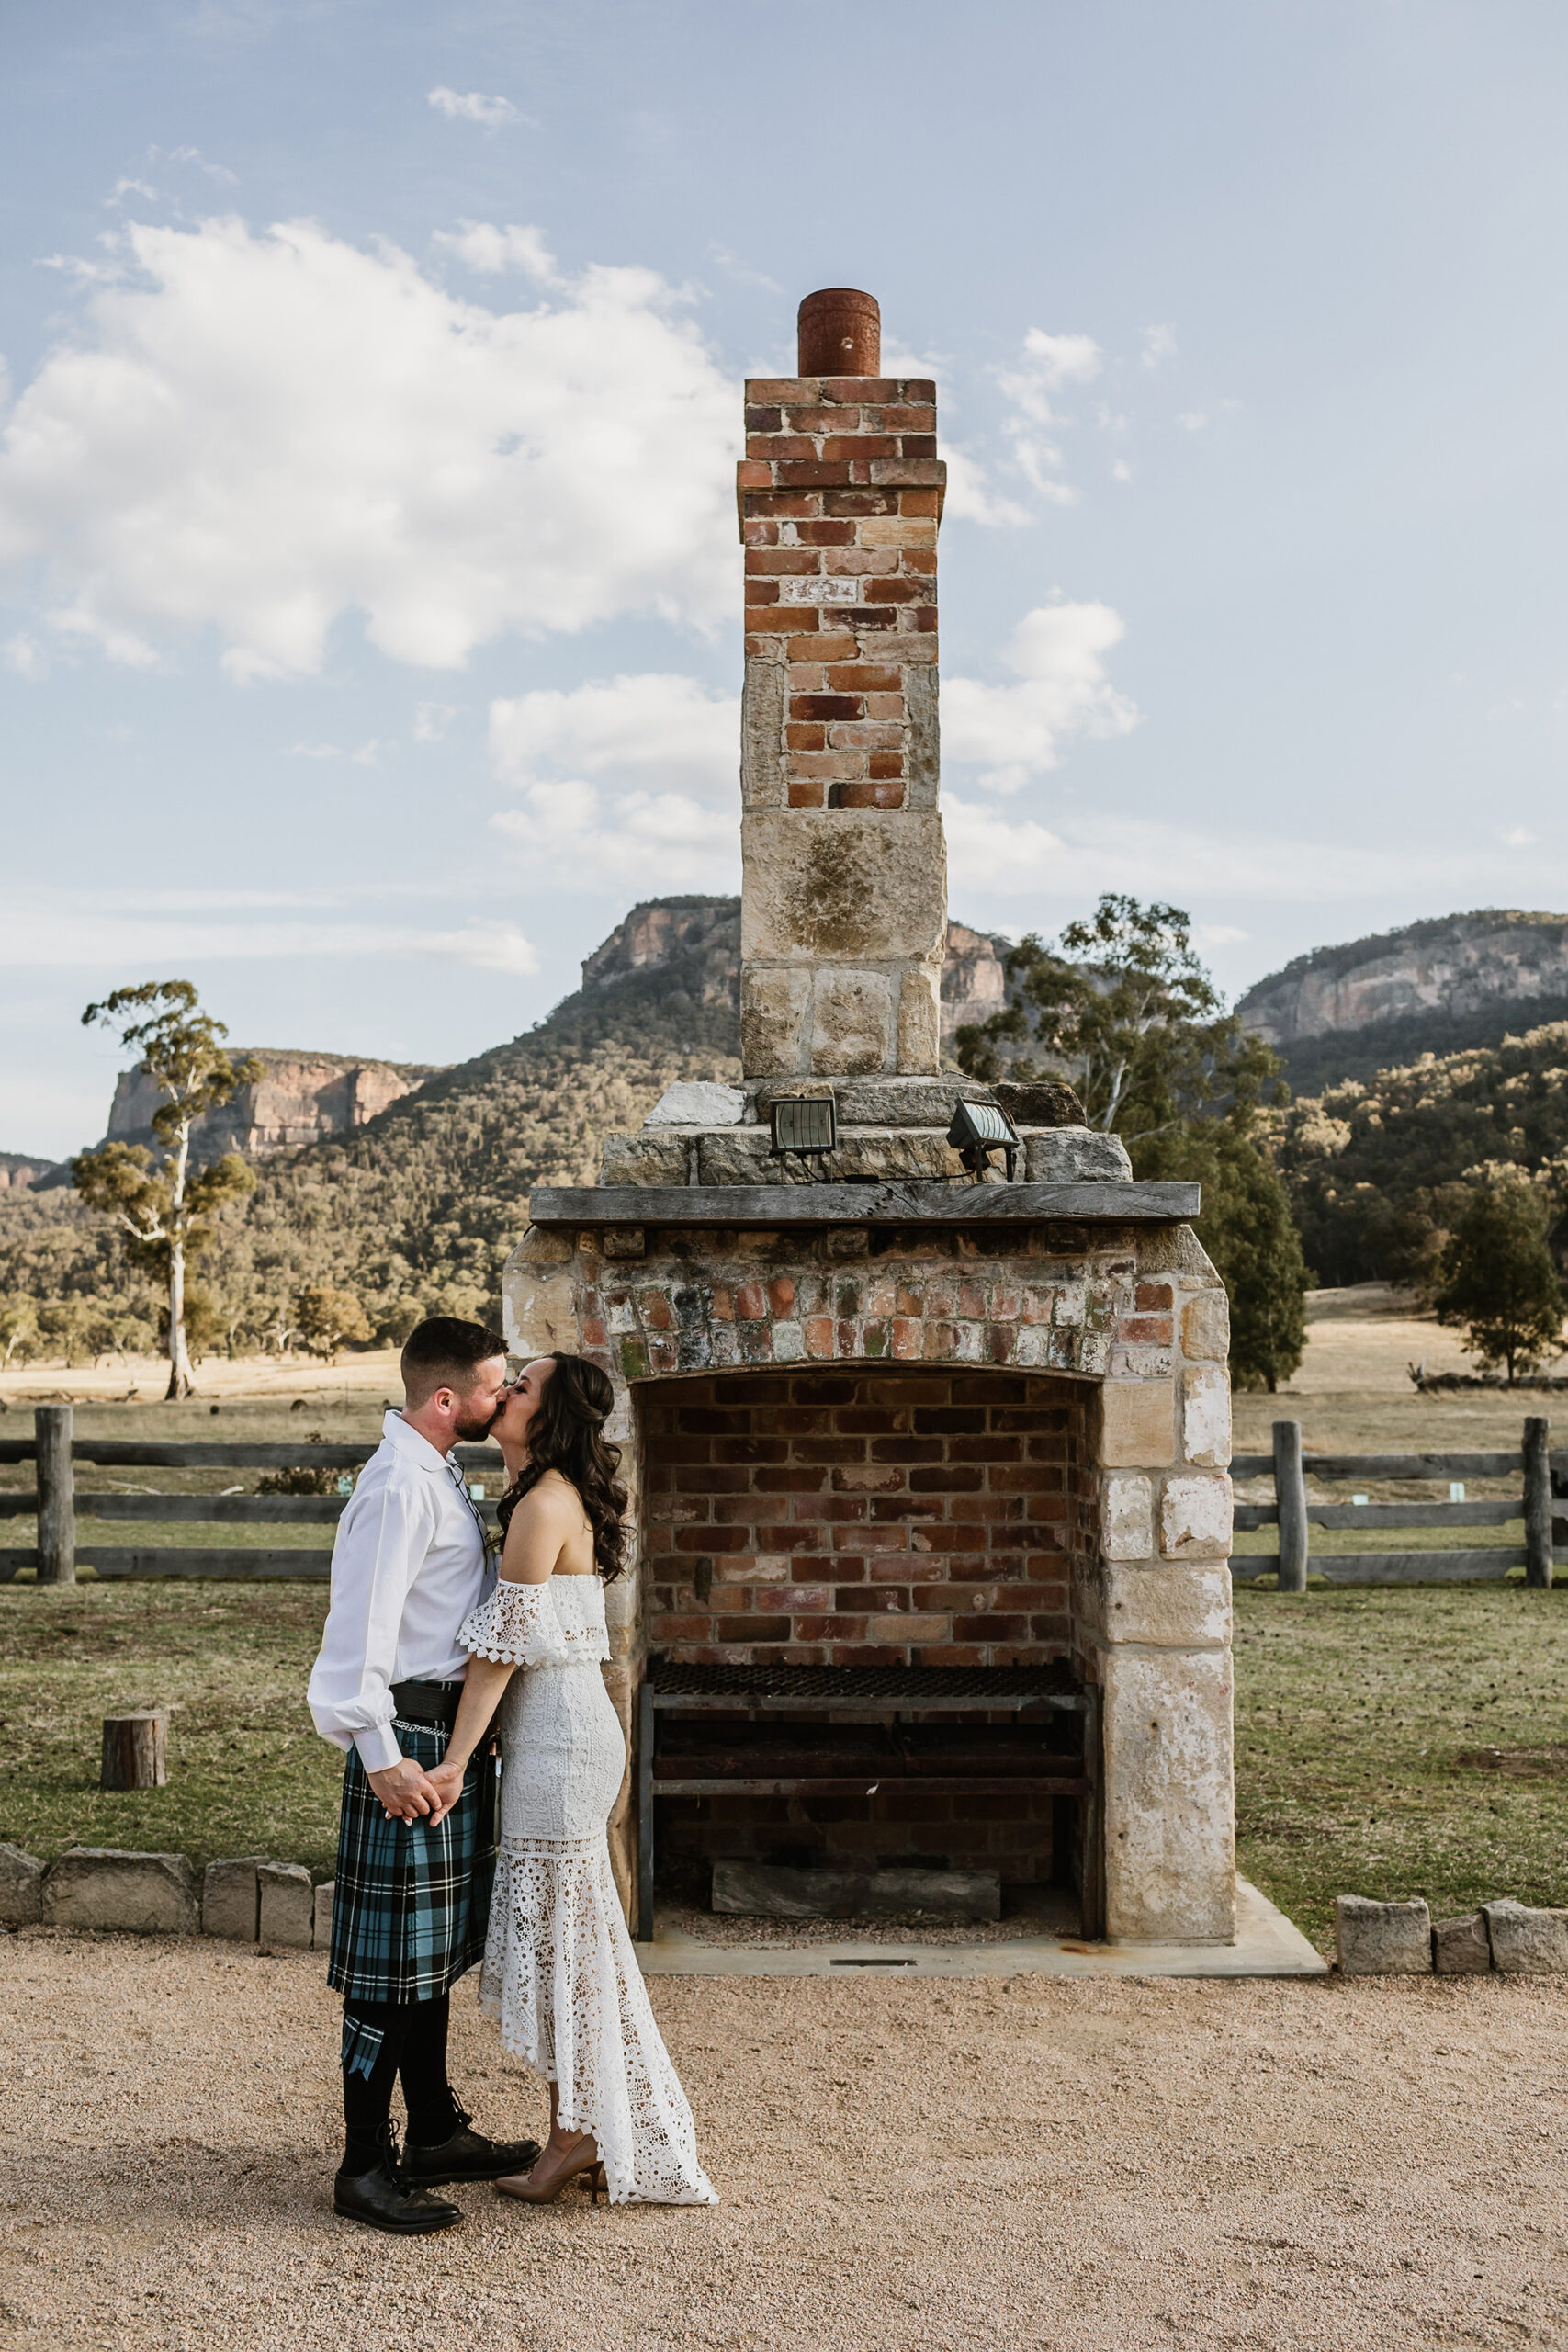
[(782, 1205)]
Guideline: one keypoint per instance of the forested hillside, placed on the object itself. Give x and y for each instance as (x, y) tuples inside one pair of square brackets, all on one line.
[(416, 1211), (1373, 1167)]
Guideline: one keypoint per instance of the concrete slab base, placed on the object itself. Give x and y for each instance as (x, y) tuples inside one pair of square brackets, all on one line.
[(1266, 1945)]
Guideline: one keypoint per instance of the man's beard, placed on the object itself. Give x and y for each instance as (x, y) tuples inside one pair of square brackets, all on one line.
[(469, 1428)]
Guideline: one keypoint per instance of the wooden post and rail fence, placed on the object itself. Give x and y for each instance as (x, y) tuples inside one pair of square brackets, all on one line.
[(55, 1451)]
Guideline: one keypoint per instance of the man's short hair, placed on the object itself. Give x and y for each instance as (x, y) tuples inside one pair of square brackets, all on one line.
[(445, 1353)]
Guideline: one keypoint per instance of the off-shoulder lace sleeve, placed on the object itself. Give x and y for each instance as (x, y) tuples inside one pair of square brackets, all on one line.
[(516, 1626)]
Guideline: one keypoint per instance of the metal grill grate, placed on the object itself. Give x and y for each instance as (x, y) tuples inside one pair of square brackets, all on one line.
[(988, 1685)]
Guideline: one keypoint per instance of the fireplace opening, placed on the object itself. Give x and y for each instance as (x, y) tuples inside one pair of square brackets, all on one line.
[(858, 1609)]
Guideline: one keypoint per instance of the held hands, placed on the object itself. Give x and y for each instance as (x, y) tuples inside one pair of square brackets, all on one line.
[(406, 1792), (446, 1781)]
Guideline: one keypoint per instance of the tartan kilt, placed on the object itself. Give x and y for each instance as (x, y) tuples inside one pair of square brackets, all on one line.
[(410, 1905)]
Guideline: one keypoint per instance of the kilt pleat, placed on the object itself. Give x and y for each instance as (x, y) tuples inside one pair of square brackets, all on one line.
[(410, 1905)]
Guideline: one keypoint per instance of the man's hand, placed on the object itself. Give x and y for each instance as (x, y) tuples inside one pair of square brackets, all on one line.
[(405, 1790), (446, 1781)]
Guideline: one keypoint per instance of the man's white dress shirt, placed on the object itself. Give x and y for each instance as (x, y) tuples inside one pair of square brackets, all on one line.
[(408, 1565)]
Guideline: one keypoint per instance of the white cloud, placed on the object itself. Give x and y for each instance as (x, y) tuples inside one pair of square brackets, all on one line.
[(1011, 732), (24, 657), (489, 251), (431, 720), (970, 498), (1049, 361), (1518, 837), (98, 931), (1121, 471), (631, 777), (1159, 344), (1220, 934), (367, 756), (473, 106), (122, 189), (1193, 419), (260, 434)]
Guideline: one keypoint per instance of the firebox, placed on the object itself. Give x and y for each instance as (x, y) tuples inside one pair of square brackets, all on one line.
[(925, 1412)]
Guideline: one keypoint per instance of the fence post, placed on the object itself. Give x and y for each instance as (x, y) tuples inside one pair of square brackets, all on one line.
[(56, 1495), (1290, 1494), (1537, 1501)]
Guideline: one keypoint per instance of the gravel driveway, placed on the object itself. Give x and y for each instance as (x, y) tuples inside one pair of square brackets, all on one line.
[(1019, 2162)]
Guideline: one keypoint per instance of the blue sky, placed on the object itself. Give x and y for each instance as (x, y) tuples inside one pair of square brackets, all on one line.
[(368, 588)]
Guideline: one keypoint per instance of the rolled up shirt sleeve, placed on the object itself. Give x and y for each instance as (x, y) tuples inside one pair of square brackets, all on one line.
[(382, 1538)]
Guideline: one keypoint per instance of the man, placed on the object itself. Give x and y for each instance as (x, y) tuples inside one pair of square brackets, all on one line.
[(414, 1880)]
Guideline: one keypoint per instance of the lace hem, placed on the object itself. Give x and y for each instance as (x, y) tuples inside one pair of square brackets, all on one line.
[(561, 1977), (519, 1624)]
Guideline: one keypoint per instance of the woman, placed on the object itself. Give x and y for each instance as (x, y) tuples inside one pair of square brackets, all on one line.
[(560, 1970)]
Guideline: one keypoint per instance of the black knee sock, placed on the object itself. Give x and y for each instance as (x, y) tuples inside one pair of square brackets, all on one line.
[(432, 2116), (368, 2097)]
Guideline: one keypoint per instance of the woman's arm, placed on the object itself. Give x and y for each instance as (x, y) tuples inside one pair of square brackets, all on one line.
[(540, 1525)]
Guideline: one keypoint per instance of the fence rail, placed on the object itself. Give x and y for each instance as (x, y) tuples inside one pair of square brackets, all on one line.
[(55, 1502), (1294, 1512)]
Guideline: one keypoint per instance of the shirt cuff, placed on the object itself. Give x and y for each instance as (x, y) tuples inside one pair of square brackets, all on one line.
[(379, 1750)]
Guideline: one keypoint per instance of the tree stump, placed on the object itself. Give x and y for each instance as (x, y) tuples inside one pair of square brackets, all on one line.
[(135, 1751)]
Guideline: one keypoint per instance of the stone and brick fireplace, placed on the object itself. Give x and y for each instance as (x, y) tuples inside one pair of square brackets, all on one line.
[(917, 1459)]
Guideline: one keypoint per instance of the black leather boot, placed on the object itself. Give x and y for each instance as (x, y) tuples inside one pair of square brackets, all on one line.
[(383, 2199), (466, 2156)]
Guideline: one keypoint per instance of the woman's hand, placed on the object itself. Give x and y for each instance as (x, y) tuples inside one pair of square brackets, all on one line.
[(446, 1781)]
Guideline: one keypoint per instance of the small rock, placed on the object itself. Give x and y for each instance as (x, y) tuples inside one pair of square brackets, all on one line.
[(1527, 1942), (698, 1103), (1078, 1156), (1461, 1946), (1383, 1939), (21, 1887), (287, 1906), (139, 1895), (229, 1898), (321, 1917)]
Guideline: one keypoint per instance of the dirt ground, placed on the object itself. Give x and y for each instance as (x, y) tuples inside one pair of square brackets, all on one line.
[(914, 2168)]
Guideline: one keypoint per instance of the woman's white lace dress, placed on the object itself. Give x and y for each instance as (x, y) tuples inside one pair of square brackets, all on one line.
[(559, 1971)]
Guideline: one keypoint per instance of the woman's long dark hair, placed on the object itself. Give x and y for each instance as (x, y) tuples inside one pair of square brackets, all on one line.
[(564, 1435)]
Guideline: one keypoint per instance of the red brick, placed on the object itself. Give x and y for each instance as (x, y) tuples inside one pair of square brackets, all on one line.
[(1153, 1298), (888, 767), (803, 794), (826, 707), (826, 535), (782, 562), (800, 737), (825, 648)]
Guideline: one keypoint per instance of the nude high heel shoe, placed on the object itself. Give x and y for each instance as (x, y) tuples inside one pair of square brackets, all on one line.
[(525, 2186)]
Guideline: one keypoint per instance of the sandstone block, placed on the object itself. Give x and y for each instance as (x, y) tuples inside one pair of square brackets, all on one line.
[(624, 1242), (1175, 1249), (1170, 1849), (645, 1158), (742, 1156), (230, 1897), (1127, 1522), (1206, 1415), (902, 1101), (539, 1311), (138, 1895), (920, 1019), (1383, 1939), (852, 1023), (1076, 1156), (763, 782), (1526, 1942), (1461, 1946), (321, 1916), (1172, 1608), (287, 1906), (1137, 1424), (773, 1003), (542, 1246), (698, 1103), (843, 885), (1040, 1102), (21, 1887), (923, 774), (1195, 1519), (1206, 1326)]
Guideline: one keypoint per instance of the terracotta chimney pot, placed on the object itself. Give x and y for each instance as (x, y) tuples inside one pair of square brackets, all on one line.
[(840, 332)]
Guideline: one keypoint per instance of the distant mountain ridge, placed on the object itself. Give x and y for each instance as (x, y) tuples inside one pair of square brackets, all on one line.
[(1442, 986)]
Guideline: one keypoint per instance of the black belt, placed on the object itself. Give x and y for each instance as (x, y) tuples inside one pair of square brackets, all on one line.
[(428, 1702)]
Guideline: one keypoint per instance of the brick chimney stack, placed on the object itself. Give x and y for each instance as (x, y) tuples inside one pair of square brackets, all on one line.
[(844, 888)]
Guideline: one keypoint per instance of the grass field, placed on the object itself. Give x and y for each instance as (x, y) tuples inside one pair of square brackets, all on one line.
[(1389, 1742)]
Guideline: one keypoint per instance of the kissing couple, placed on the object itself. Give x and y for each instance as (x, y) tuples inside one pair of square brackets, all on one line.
[(428, 1659)]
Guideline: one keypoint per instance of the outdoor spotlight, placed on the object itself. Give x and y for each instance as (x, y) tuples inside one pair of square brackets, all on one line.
[(979, 1129), (803, 1124)]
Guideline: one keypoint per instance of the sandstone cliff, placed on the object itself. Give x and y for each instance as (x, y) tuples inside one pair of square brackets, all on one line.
[(302, 1099)]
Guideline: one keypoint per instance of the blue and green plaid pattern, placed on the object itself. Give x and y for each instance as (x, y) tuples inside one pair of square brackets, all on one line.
[(410, 1905)]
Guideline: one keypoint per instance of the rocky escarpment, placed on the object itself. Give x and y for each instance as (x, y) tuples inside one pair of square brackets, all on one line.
[(302, 1099), (1440, 986)]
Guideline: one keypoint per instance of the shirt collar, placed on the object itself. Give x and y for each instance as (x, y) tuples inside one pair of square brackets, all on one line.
[(407, 1438)]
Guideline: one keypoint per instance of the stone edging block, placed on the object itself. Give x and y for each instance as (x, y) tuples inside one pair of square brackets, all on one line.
[(243, 1897), (21, 1887), (1383, 1939), (141, 1894)]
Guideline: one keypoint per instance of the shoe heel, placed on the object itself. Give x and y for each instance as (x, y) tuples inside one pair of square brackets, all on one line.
[(600, 2183)]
